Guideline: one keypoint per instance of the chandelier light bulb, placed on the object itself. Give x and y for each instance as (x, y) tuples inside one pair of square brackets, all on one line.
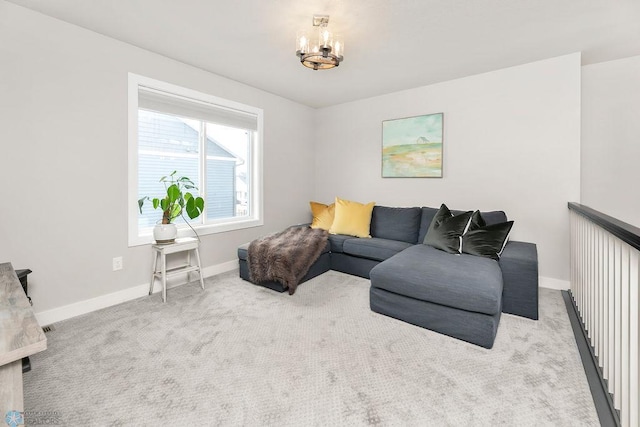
[(325, 36), (302, 43), (338, 46)]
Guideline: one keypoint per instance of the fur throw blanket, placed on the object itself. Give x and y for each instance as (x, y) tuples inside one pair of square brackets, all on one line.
[(285, 257)]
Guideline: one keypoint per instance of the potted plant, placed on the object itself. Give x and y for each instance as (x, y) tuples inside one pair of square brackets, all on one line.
[(177, 201)]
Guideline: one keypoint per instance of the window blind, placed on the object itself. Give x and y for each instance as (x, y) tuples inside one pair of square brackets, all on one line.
[(165, 102)]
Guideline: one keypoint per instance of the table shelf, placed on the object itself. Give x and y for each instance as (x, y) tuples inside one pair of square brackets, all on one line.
[(174, 271)]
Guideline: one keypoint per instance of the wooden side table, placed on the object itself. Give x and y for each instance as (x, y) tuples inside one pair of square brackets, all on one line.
[(186, 244), (20, 336)]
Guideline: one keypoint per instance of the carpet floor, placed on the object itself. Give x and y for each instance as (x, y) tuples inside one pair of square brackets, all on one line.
[(239, 354)]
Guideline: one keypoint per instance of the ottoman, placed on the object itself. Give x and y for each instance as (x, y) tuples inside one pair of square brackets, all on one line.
[(322, 265), (458, 295)]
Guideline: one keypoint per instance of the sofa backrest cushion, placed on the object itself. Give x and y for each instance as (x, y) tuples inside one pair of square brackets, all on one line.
[(494, 217), (427, 214), (426, 217), (396, 223)]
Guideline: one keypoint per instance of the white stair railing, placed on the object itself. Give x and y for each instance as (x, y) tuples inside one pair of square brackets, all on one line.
[(605, 261)]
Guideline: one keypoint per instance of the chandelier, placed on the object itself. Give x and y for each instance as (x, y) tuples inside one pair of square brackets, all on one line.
[(322, 53)]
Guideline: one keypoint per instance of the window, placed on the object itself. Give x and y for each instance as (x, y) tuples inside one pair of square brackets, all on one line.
[(214, 142)]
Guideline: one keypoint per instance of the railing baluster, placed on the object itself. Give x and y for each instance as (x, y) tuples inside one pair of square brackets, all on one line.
[(585, 282), (598, 294), (573, 248), (594, 288), (624, 401), (612, 311), (605, 306), (588, 312), (634, 332), (602, 300), (617, 327), (579, 245)]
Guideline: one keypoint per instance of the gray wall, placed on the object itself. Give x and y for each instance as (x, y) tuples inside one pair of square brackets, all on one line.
[(63, 130), (611, 138), (511, 142)]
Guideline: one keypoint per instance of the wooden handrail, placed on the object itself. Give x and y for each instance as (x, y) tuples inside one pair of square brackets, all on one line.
[(626, 232)]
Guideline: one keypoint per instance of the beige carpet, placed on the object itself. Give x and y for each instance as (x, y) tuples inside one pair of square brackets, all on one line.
[(239, 354)]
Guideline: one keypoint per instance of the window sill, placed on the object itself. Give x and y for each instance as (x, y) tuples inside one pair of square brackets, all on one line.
[(202, 230)]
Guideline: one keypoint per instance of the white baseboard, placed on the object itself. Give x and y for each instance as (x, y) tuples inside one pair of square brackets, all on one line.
[(48, 317), (551, 283), (225, 267)]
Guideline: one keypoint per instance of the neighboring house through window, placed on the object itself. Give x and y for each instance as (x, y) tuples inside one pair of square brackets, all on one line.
[(214, 142)]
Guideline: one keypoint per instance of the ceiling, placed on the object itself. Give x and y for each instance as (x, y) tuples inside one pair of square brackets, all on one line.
[(390, 45)]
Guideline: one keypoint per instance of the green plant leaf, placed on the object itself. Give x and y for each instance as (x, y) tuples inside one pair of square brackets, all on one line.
[(164, 204), (192, 208), (141, 202), (200, 203), (155, 202), (175, 212), (174, 193), (188, 196)]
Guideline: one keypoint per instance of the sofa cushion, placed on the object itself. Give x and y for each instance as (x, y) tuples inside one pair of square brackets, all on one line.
[(485, 240), (396, 223), (493, 217), (446, 230), (352, 218), (337, 241), (244, 249), (463, 281), (427, 214), (322, 215), (374, 248)]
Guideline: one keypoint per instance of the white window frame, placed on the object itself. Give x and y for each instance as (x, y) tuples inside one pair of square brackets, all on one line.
[(255, 219)]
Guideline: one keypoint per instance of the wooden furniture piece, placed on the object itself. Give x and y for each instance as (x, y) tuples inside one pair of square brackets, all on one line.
[(20, 336), (22, 277), (186, 244)]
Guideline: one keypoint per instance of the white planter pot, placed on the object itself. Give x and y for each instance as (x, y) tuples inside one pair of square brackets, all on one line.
[(165, 233)]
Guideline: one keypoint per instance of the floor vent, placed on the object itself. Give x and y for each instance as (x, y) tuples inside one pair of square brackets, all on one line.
[(48, 328)]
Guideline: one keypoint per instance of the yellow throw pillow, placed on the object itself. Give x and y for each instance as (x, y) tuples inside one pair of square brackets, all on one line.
[(322, 215), (352, 218)]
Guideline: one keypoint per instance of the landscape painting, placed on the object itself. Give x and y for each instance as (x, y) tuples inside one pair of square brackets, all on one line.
[(412, 147)]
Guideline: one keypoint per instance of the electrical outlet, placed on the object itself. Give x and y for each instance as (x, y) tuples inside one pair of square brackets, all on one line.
[(117, 263)]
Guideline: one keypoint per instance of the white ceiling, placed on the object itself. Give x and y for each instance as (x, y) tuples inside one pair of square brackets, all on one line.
[(390, 44)]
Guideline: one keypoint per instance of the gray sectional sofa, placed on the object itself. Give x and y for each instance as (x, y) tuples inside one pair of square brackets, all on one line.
[(459, 295)]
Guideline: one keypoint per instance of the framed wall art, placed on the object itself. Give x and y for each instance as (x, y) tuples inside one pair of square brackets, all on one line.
[(412, 147)]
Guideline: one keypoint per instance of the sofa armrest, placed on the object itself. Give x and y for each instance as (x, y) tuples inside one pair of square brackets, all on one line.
[(519, 264)]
